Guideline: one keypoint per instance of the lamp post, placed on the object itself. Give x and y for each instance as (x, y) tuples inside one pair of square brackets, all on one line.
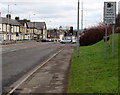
[(119, 12), (82, 16), (78, 43), (33, 28), (9, 28), (8, 24)]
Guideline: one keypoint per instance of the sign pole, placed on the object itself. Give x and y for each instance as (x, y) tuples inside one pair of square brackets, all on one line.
[(78, 43), (113, 30), (110, 18), (106, 41)]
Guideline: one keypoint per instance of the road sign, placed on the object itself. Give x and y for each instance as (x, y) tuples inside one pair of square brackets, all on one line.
[(109, 12)]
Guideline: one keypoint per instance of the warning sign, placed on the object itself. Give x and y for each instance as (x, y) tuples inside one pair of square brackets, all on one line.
[(109, 12)]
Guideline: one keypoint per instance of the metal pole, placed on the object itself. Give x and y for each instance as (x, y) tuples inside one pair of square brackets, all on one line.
[(113, 40), (105, 41), (8, 24), (33, 27), (119, 7), (82, 17), (78, 43)]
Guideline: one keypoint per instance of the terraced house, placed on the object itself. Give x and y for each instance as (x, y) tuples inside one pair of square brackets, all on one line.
[(16, 29)]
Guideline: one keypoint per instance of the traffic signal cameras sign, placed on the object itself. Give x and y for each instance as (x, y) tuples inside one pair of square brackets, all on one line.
[(109, 12)]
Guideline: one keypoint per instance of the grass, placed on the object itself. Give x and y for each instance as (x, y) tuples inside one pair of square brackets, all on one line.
[(92, 72)]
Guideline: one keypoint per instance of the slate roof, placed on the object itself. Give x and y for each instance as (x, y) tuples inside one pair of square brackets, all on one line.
[(11, 21), (30, 25), (38, 25), (22, 22)]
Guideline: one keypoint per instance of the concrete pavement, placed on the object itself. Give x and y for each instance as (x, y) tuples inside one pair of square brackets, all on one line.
[(52, 77)]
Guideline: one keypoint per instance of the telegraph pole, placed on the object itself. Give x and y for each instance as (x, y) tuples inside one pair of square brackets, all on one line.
[(8, 22), (78, 43), (82, 16)]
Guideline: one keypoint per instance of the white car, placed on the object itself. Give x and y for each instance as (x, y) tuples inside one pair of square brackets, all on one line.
[(66, 41), (74, 41)]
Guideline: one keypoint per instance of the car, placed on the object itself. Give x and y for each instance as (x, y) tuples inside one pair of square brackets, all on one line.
[(46, 40), (66, 41), (74, 41), (43, 40)]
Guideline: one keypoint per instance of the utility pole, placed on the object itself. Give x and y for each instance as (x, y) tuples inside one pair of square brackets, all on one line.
[(9, 28), (82, 16), (8, 23), (78, 43), (119, 12), (33, 28)]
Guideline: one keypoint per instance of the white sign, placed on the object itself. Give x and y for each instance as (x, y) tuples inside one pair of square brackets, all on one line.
[(109, 12)]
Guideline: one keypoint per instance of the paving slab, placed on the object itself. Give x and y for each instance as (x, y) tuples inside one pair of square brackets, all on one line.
[(52, 77)]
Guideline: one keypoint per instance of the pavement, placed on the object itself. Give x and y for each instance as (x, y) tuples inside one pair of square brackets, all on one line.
[(52, 77), (7, 42)]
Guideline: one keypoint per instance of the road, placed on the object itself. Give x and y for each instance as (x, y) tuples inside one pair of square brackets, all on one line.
[(18, 59)]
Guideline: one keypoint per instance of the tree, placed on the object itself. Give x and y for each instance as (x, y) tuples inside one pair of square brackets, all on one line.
[(118, 20), (118, 23)]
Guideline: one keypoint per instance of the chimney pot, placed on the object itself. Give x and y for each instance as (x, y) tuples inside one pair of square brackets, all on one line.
[(17, 18), (8, 16)]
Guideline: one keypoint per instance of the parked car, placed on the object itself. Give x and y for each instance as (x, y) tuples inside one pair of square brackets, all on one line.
[(66, 41), (74, 41), (46, 40), (43, 40)]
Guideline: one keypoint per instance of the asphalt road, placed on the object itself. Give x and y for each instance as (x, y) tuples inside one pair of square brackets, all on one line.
[(18, 59)]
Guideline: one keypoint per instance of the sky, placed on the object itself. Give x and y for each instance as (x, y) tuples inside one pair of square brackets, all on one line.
[(56, 13)]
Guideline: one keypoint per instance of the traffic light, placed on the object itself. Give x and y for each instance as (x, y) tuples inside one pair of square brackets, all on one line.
[(71, 30)]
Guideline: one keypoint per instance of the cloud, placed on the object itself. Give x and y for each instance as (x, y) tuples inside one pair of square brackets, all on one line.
[(55, 12)]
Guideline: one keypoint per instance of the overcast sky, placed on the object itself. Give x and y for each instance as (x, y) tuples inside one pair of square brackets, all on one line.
[(55, 12)]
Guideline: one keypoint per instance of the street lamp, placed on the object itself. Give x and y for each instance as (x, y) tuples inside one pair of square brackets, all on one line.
[(119, 7), (33, 28), (82, 16), (9, 16), (78, 43)]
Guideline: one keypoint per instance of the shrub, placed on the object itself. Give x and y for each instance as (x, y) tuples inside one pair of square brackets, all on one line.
[(117, 30), (94, 34)]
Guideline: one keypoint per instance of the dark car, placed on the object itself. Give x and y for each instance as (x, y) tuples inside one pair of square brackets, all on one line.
[(46, 40)]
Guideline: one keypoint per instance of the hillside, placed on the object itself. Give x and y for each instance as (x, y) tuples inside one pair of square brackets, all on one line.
[(92, 72)]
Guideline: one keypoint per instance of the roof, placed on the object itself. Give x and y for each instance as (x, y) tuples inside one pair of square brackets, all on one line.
[(38, 25), (30, 25), (10, 21), (22, 22)]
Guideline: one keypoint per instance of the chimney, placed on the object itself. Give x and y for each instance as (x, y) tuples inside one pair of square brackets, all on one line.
[(28, 21), (8, 16), (17, 18)]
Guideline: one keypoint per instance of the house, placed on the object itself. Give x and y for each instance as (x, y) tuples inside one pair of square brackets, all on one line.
[(54, 33), (30, 30), (41, 29), (10, 29), (1, 35), (17, 29), (23, 28), (37, 28)]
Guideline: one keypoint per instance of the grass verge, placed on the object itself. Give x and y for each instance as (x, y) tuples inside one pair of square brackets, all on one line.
[(92, 72)]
